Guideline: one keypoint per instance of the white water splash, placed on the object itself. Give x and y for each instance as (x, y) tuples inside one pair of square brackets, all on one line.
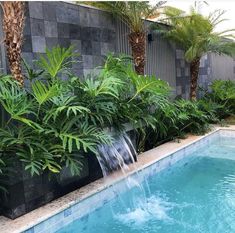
[(154, 208)]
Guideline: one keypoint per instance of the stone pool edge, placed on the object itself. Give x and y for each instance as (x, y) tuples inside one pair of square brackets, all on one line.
[(27, 222)]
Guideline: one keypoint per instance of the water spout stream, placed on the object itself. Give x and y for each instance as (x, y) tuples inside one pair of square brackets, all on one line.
[(119, 156)]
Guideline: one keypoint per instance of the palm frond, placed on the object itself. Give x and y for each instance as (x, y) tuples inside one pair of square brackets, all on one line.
[(43, 92), (131, 13), (57, 60), (196, 33)]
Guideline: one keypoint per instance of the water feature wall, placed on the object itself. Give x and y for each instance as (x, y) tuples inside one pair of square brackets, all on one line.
[(26, 193), (116, 156), (119, 156)]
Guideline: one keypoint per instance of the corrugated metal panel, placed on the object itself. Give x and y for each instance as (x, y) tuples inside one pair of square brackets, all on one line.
[(160, 60), (222, 67), (160, 55), (122, 32)]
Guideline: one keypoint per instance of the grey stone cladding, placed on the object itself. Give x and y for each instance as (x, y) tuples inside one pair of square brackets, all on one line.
[(90, 31), (95, 33), (182, 75)]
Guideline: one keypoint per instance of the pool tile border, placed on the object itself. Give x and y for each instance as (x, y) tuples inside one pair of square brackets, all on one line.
[(89, 198)]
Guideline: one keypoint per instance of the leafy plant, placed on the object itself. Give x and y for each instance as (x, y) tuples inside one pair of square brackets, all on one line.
[(56, 121), (31, 74), (221, 98), (195, 33), (57, 61), (133, 14), (47, 127)]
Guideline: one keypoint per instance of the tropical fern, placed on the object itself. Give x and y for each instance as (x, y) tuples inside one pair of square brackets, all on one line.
[(86, 138), (31, 73), (43, 93), (58, 60)]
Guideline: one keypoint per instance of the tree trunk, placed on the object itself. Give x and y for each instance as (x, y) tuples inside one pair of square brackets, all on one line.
[(137, 42), (13, 25), (194, 70)]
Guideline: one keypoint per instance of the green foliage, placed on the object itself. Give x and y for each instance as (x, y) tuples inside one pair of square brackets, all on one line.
[(195, 33), (176, 118), (220, 98), (194, 120), (132, 13), (57, 61), (55, 122), (44, 92), (31, 74)]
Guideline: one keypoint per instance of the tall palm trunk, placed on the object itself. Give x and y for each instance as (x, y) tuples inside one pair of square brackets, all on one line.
[(194, 71), (137, 41), (13, 25)]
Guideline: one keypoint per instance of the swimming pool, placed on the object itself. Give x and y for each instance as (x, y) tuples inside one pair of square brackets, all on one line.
[(191, 190), (195, 195)]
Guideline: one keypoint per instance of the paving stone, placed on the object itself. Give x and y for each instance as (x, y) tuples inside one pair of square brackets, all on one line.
[(61, 14), (86, 33), (27, 28), (38, 44), (77, 46), (96, 48), (179, 90), (63, 30), (74, 31), (98, 61), (107, 48), (49, 11), (84, 18), (37, 27), (35, 10), (86, 47), (29, 58), (27, 44), (107, 35), (52, 42), (95, 34), (179, 54), (78, 64), (187, 71), (64, 42), (72, 16), (87, 61), (178, 72), (106, 20), (51, 29), (94, 19)]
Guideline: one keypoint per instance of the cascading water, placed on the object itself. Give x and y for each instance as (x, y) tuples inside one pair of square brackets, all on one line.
[(116, 156), (119, 156)]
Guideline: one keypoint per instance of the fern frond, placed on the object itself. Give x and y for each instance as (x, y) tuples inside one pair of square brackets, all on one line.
[(43, 92)]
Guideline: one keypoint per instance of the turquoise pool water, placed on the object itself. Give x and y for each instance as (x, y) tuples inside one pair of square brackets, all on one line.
[(196, 195)]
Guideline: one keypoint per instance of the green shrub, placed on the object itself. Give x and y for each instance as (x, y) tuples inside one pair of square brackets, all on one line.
[(59, 117), (194, 119), (174, 120), (47, 127), (221, 98)]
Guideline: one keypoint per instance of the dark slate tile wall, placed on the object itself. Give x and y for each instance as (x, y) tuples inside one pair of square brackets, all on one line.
[(205, 79), (182, 75), (93, 34), (90, 31)]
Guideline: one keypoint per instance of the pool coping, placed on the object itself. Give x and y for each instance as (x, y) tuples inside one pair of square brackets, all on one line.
[(146, 159)]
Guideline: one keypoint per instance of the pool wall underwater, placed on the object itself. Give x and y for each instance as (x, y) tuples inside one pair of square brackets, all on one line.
[(98, 197)]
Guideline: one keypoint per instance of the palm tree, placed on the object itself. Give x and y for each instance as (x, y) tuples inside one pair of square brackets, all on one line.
[(196, 34), (13, 25), (133, 14)]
